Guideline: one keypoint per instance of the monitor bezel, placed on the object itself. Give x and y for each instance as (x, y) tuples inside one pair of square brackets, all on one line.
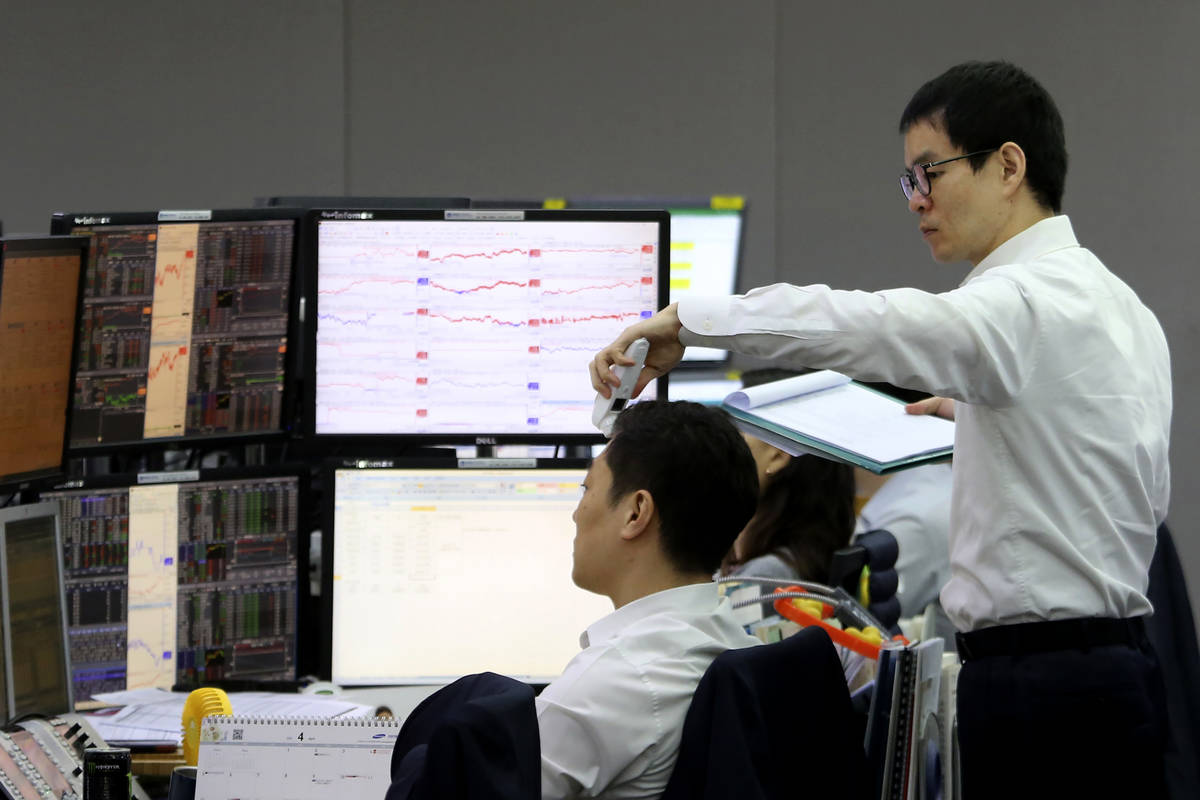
[(62, 223), (306, 649), (327, 443), (14, 514), (360, 201), (50, 245), (449, 462)]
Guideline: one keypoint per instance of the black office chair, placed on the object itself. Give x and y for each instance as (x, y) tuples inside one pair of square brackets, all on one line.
[(476, 738), (772, 721), (877, 551)]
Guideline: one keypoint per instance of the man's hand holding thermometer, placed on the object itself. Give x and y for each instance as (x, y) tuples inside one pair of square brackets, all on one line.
[(606, 409), (663, 352)]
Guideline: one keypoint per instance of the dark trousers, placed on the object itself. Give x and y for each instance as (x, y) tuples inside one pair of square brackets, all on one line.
[(1088, 721)]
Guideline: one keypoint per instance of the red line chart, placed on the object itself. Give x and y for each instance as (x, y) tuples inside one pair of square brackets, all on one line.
[(167, 271), (168, 361)]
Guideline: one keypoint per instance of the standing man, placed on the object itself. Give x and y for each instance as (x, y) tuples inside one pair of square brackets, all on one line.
[(1059, 379)]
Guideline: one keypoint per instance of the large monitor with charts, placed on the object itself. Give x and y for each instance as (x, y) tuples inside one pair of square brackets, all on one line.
[(184, 333), (470, 326), (440, 569), (39, 301), (182, 578), (34, 674)]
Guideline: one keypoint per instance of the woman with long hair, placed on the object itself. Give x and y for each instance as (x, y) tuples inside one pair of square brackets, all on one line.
[(805, 513), (805, 510)]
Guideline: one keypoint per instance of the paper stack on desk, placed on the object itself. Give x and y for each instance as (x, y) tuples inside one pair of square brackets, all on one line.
[(153, 717)]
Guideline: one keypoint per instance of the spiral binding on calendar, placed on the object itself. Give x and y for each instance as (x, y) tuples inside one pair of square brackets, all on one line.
[(320, 722)]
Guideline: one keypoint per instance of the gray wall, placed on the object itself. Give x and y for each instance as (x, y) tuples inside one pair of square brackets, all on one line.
[(136, 105)]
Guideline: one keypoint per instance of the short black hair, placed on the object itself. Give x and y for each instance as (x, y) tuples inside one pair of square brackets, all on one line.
[(696, 466), (983, 104)]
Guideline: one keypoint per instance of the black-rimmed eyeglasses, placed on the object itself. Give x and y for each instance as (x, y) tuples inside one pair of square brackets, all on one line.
[(916, 178)]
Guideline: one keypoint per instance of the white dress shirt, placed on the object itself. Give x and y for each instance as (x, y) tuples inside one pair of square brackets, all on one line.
[(1063, 388), (610, 726), (914, 506)]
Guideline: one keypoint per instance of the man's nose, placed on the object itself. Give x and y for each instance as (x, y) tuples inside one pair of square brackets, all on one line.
[(918, 202)]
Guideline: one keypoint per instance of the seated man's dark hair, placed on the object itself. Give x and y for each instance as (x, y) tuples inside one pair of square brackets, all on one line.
[(696, 466), (981, 105)]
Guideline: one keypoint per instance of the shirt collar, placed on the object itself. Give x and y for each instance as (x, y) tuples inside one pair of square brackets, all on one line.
[(696, 598), (1039, 239)]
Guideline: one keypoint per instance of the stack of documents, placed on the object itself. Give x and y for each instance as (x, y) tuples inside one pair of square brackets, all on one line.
[(153, 717), (827, 414)]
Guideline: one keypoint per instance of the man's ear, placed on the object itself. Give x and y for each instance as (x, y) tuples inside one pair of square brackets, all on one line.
[(1012, 166), (639, 512)]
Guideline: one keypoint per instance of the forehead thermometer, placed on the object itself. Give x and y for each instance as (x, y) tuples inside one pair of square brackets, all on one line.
[(606, 409)]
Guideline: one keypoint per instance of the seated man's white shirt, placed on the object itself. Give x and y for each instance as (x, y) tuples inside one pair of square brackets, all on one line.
[(610, 726)]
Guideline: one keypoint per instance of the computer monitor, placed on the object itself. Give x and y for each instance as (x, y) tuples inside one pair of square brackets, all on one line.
[(706, 247), (182, 578), (472, 327), (184, 333), (39, 302), (36, 677), (350, 201), (443, 568)]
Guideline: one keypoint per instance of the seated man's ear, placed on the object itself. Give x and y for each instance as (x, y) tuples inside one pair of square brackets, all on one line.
[(638, 513)]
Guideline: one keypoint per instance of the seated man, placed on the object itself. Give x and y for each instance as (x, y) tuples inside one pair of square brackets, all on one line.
[(661, 507)]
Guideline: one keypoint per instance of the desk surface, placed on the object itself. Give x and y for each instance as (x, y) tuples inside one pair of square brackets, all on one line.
[(400, 700), (156, 764)]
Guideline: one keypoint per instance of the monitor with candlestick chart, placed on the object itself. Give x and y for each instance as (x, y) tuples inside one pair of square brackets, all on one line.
[(185, 326), (182, 578)]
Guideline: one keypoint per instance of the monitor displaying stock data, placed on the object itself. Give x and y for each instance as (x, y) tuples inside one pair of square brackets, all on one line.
[(39, 293), (469, 326), (184, 328), (437, 570), (181, 578)]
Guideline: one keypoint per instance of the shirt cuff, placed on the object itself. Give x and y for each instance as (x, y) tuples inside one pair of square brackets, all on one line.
[(703, 317)]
